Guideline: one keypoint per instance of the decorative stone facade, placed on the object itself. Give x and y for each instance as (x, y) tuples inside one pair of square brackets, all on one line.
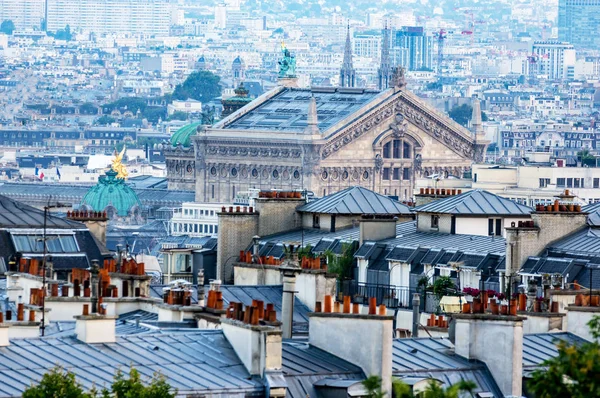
[(383, 144)]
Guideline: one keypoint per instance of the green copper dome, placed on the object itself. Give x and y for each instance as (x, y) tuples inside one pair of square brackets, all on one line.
[(111, 191), (182, 136)]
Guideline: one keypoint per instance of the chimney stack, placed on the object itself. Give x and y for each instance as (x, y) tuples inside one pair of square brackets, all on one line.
[(287, 301), (496, 340), (95, 328), (364, 340), (373, 228), (527, 240), (259, 347)]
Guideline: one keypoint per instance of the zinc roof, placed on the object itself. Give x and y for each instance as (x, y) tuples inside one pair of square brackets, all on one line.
[(435, 358), (18, 215), (355, 200), (539, 347), (194, 362), (475, 202)]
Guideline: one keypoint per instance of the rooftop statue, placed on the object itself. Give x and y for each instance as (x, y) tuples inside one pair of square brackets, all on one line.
[(118, 166), (287, 65)]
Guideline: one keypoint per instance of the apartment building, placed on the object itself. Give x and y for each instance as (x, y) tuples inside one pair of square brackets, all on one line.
[(147, 17), (25, 14)]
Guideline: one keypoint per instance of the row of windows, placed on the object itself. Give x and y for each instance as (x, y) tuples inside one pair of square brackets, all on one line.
[(573, 183), (54, 243), (395, 172), (396, 149), (234, 172), (197, 212), (195, 228)]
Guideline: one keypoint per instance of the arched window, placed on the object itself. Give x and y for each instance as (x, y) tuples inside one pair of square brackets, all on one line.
[(387, 150), (406, 150)]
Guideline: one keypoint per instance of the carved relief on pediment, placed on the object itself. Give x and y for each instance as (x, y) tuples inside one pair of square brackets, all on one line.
[(404, 112)]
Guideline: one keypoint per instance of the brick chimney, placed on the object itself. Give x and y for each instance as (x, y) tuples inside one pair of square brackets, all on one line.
[(496, 340), (95, 221), (361, 339), (549, 224), (278, 212), (95, 328), (237, 226)]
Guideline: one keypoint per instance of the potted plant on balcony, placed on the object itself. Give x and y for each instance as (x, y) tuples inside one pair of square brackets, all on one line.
[(473, 296), (442, 286), (537, 304)]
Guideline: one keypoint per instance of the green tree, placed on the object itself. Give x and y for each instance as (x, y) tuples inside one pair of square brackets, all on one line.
[(341, 264), (462, 114), (7, 27), (104, 120), (202, 86), (586, 158), (57, 383), (132, 386), (401, 390), (178, 116), (574, 373)]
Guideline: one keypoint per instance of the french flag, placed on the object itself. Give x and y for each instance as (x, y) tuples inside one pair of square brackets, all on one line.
[(38, 174)]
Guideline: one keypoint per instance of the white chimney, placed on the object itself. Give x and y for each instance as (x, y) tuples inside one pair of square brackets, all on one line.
[(257, 346), (95, 328), (496, 340), (364, 340), (377, 228), (578, 318), (4, 335)]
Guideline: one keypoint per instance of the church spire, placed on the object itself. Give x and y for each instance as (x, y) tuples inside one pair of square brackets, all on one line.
[(347, 72), (384, 72)]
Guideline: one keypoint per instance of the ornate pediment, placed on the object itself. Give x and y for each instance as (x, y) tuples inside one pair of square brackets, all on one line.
[(406, 108)]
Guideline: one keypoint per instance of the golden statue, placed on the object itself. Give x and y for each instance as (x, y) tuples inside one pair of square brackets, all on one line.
[(118, 166)]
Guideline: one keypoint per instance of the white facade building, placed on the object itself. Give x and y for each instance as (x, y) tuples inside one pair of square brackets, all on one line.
[(148, 17), (25, 14), (554, 60)]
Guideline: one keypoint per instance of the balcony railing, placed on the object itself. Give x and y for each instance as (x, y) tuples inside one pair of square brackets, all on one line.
[(390, 295)]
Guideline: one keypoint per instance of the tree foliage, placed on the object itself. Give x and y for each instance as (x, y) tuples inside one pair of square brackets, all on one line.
[(202, 86), (7, 27), (59, 383), (132, 386), (341, 264), (574, 373), (401, 390), (462, 114)]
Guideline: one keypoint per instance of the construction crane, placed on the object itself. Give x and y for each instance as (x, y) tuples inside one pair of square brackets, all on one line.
[(441, 36)]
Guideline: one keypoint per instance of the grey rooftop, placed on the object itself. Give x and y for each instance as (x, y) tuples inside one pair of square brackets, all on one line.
[(356, 201), (476, 202)]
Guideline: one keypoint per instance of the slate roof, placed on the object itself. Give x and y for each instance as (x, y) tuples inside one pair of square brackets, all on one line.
[(194, 362), (287, 109), (18, 215), (475, 202), (585, 241), (539, 347), (355, 200), (435, 358), (303, 365)]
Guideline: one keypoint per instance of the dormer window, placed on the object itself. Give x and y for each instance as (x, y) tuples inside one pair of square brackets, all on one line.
[(435, 222)]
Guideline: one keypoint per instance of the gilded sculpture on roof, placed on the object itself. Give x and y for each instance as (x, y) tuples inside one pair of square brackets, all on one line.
[(118, 166)]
